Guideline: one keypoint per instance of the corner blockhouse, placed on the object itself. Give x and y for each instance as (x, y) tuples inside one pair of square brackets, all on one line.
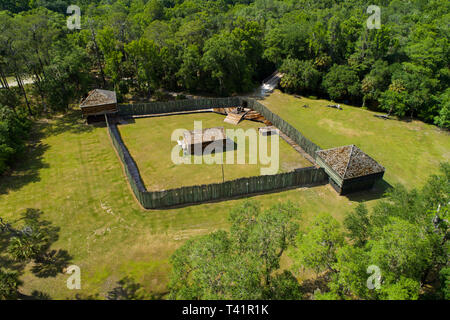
[(98, 103), (349, 169)]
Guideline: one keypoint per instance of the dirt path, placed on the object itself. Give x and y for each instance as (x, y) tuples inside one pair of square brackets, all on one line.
[(13, 83)]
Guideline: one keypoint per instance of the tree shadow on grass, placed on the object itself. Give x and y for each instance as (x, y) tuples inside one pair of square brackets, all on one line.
[(5, 261), (35, 295), (128, 289), (46, 262), (308, 287), (26, 170), (51, 263), (71, 122), (32, 218)]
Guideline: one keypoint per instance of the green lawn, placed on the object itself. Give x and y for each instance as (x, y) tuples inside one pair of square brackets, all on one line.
[(74, 176), (410, 151), (149, 142)]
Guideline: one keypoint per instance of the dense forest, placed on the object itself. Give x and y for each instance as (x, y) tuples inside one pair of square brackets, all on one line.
[(227, 46), (143, 48)]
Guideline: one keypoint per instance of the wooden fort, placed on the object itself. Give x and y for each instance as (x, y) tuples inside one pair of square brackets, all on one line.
[(200, 139), (349, 169), (98, 103)]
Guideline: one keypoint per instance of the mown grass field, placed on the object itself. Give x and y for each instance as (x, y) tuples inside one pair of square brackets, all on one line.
[(410, 151), (72, 173), (149, 142)]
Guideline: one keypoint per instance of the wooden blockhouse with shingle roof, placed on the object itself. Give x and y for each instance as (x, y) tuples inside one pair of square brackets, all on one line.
[(98, 103), (203, 138), (349, 168)]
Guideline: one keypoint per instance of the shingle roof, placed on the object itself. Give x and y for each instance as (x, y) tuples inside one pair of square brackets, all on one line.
[(206, 135), (98, 97), (350, 162)]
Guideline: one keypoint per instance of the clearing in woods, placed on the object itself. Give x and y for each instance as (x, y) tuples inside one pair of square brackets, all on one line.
[(73, 175)]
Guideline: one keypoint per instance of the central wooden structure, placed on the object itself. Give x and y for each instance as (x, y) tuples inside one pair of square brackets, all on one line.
[(200, 139)]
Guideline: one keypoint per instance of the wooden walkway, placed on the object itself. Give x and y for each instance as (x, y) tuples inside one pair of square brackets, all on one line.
[(296, 147)]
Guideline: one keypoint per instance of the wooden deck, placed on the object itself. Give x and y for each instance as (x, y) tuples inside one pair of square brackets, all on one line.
[(234, 118)]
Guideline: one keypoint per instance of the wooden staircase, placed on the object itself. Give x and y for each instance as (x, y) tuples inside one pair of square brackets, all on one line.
[(248, 115), (234, 118), (256, 116)]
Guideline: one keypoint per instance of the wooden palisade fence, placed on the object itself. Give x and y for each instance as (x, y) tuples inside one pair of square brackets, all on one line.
[(215, 191)]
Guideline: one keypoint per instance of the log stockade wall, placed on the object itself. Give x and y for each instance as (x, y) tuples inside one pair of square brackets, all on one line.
[(216, 191), (140, 109), (202, 104), (308, 146)]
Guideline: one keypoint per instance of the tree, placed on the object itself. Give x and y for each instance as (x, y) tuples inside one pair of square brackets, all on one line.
[(405, 236), (65, 77), (15, 5), (9, 285), (154, 10), (14, 130), (443, 119), (145, 63), (341, 82), (393, 100), (373, 46), (12, 52), (445, 283), (206, 268), (189, 73), (401, 248), (317, 247), (299, 76), (239, 264), (226, 65), (350, 278), (110, 47), (358, 224), (403, 289), (375, 82), (268, 234)]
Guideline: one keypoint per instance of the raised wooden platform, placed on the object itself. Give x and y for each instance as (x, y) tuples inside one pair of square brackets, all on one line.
[(256, 116), (233, 118), (249, 114)]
